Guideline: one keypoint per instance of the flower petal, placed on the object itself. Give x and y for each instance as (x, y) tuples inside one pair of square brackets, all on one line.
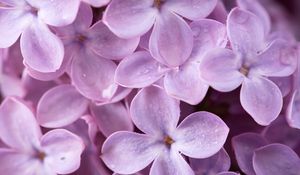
[(63, 150), (138, 70), (171, 41), (244, 146), (192, 9), (208, 34), (256, 8), (55, 13), (111, 118), (13, 23), (11, 86), (220, 69), (93, 76), (80, 25), (293, 110), (262, 99), (276, 159), (127, 152), (53, 75), (217, 163), (18, 126), (108, 45), (245, 32), (154, 112), (170, 163), (278, 60), (185, 84), (130, 18), (15, 163), (42, 50), (60, 106), (200, 135)]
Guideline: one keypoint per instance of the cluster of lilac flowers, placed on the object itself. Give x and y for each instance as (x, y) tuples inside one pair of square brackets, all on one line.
[(159, 87)]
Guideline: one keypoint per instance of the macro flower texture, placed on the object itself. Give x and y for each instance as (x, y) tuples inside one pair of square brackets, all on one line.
[(149, 87)]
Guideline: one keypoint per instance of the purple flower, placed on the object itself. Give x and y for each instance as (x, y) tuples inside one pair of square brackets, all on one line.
[(171, 40), (42, 50), (63, 105), (30, 152), (256, 157), (250, 62), (182, 82), (200, 135)]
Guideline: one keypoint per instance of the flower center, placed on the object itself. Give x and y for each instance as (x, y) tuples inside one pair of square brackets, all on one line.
[(41, 155), (81, 38), (244, 70), (158, 3), (168, 140)]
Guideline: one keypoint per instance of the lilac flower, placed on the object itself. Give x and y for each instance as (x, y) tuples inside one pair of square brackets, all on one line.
[(30, 152), (171, 40), (42, 50), (63, 105), (256, 157), (200, 135), (183, 82), (89, 51), (244, 146), (252, 60)]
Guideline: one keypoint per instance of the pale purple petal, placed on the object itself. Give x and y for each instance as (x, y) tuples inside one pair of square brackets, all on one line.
[(262, 99), (80, 25), (96, 3), (42, 50), (285, 135), (185, 84), (219, 13), (154, 112), (200, 135), (13, 23), (293, 110), (53, 75), (278, 60), (11, 86), (256, 8), (284, 83), (208, 34), (245, 32), (108, 45), (93, 76), (192, 9), (170, 163), (63, 150), (130, 18), (127, 152), (138, 70), (15, 163), (13, 2), (18, 126), (171, 41), (55, 13), (60, 106), (276, 159), (217, 163), (244, 146), (111, 118), (220, 69)]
